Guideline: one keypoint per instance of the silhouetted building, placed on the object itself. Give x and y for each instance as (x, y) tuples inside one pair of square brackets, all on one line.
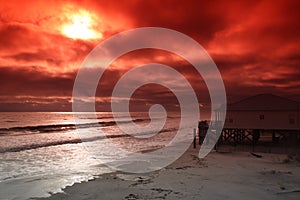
[(261, 118), (265, 112)]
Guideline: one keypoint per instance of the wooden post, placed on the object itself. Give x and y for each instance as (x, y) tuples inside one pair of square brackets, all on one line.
[(199, 135), (194, 138), (285, 142), (202, 130)]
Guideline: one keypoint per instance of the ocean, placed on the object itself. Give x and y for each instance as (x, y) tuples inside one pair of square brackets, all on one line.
[(43, 152)]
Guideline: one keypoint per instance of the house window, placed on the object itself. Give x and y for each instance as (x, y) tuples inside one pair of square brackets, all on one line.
[(291, 119), (261, 117)]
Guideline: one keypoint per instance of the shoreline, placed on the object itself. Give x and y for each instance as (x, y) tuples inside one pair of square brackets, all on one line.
[(227, 175)]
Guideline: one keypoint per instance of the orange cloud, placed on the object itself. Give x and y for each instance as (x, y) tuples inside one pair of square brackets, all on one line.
[(255, 45)]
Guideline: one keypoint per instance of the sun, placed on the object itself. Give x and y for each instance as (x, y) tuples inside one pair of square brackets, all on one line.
[(81, 27)]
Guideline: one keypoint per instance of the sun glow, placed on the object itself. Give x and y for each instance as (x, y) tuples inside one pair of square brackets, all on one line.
[(81, 26)]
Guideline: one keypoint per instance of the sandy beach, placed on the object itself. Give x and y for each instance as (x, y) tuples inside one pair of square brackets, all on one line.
[(221, 175)]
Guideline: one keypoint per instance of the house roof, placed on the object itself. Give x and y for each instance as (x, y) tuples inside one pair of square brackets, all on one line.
[(266, 102)]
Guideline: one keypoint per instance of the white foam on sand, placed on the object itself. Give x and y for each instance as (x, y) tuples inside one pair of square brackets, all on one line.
[(43, 171)]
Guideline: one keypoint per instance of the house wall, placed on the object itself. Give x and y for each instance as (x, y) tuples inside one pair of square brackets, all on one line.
[(285, 120)]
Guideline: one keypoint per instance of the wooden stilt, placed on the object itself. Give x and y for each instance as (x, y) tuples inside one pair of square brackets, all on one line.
[(194, 138)]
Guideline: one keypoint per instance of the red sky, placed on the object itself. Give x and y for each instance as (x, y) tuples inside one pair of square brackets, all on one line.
[(255, 44)]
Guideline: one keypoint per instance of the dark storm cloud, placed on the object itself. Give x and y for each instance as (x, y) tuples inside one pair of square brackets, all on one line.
[(32, 82), (255, 45)]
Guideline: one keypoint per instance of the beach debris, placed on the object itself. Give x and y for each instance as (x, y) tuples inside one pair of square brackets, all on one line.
[(292, 158), (161, 190), (183, 167), (288, 191), (132, 196), (273, 172), (141, 180), (282, 187), (256, 155)]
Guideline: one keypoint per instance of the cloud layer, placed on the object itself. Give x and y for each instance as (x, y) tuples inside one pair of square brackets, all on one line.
[(255, 45)]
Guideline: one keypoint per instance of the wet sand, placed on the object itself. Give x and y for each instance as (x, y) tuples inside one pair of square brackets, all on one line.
[(221, 175)]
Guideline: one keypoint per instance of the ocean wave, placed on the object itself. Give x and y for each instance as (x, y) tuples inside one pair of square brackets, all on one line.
[(71, 141), (55, 143), (58, 127)]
